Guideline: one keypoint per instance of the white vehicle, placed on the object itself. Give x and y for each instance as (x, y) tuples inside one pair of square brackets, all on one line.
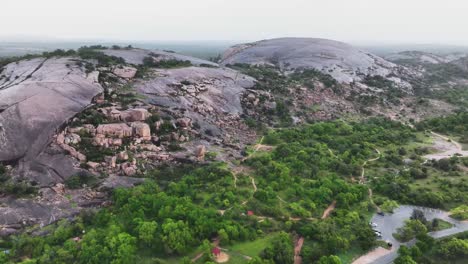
[(378, 234), (373, 224)]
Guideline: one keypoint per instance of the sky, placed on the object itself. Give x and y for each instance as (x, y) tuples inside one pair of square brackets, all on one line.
[(357, 21)]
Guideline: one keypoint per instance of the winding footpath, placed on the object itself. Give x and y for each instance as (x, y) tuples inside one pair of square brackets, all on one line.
[(362, 180)]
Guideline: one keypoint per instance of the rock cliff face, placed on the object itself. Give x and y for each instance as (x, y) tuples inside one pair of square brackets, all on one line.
[(36, 97), (342, 61)]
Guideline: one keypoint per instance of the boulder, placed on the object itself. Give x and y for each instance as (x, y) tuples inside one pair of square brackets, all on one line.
[(129, 171), (61, 138), (89, 129), (103, 141), (150, 147), (125, 72), (200, 152), (73, 152), (141, 130), (133, 115), (72, 138), (74, 129), (99, 99), (119, 130), (115, 142), (100, 140), (123, 155), (59, 188), (184, 122), (111, 161), (163, 157), (114, 114), (93, 165)]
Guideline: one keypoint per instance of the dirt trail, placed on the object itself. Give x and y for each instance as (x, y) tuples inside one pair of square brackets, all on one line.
[(253, 184), (329, 209), (281, 199), (456, 144), (197, 257), (447, 147), (362, 179), (297, 250), (240, 169)]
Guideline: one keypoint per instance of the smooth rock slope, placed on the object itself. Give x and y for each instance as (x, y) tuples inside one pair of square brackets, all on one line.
[(342, 61), (36, 97)]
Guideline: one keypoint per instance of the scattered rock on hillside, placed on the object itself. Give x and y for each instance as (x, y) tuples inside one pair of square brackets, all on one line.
[(125, 72)]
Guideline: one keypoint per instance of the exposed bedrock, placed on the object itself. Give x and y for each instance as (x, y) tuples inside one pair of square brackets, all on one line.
[(36, 97)]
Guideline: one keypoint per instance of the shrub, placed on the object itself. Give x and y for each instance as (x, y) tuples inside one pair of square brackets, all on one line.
[(77, 181), (165, 64), (460, 212)]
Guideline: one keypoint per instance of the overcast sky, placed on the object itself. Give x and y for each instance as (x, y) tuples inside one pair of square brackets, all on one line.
[(357, 21)]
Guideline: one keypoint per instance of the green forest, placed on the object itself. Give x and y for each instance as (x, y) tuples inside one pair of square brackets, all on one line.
[(258, 207)]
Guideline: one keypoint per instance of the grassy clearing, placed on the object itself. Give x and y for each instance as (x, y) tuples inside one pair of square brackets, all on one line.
[(443, 225), (252, 248), (236, 259)]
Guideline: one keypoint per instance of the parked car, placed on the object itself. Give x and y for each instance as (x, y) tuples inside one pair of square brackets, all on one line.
[(373, 224), (380, 213)]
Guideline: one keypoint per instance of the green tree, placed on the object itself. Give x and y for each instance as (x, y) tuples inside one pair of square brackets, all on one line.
[(404, 260), (411, 229), (223, 236), (389, 205), (177, 235), (281, 250), (147, 231), (329, 260), (3, 258), (365, 236), (123, 248), (453, 248)]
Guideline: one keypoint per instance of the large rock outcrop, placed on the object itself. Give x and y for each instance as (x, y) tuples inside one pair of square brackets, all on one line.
[(342, 61), (421, 57), (36, 97), (136, 56), (210, 97)]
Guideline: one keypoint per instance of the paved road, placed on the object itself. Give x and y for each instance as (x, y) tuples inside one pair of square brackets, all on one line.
[(389, 223)]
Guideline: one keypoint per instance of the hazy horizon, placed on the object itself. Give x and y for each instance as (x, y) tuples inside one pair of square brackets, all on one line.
[(360, 22)]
